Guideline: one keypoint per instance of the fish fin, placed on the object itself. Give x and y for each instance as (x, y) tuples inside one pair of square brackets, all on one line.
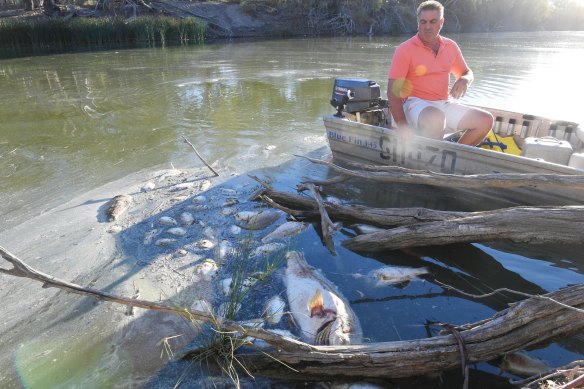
[(315, 304)]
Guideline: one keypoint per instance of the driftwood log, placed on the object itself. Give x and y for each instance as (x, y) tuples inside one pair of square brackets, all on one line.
[(424, 227), (539, 319), (535, 225), (396, 174)]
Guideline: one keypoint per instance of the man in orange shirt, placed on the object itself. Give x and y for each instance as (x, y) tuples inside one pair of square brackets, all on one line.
[(418, 84)]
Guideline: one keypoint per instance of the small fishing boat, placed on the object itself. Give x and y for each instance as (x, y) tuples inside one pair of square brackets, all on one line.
[(362, 131)]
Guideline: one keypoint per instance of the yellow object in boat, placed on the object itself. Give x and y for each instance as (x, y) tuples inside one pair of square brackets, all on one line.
[(506, 144)]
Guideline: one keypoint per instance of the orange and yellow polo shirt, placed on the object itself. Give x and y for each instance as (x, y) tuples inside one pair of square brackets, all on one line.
[(417, 72)]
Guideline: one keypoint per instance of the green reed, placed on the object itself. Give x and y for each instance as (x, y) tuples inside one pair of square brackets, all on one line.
[(19, 36)]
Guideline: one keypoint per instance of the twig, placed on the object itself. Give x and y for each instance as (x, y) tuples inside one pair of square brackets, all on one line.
[(200, 157), (500, 290), (326, 223), (552, 373), (289, 211), (461, 349), (574, 383)]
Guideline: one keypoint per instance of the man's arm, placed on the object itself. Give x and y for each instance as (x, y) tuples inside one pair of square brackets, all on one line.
[(396, 106)]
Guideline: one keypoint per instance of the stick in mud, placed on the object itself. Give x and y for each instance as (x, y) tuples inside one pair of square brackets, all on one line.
[(200, 157)]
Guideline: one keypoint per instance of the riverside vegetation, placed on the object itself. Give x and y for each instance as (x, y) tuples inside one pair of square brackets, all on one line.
[(97, 24)]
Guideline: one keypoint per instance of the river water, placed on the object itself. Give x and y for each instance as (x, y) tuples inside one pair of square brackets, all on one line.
[(72, 122)]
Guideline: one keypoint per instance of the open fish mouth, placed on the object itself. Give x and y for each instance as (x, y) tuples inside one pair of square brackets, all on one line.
[(322, 337)]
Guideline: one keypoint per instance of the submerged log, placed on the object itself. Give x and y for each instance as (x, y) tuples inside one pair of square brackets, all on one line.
[(537, 320), (535, 225), (425, 227), (303, 206), (395, 174)]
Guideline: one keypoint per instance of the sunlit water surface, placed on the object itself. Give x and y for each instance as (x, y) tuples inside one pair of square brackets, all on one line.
[(72, 122)]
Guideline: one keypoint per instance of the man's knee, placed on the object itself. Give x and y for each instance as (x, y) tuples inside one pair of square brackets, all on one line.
[(431, 122), (477, 120)]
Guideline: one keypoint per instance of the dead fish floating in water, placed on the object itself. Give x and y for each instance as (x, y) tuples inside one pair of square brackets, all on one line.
[(256, 220), (389, 275), (285, 230), (117, 206), (521, 364), (320, 310), (274, 309), (266, 249)]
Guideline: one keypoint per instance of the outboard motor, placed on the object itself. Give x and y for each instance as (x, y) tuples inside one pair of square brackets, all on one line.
[(356, 95)]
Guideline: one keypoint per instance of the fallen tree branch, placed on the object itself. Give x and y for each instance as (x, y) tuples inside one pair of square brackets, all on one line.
[(529, 322), (392, 174), (326, 223), (381, 217), (534, 225)]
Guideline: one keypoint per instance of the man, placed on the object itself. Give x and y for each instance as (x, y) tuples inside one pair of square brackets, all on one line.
[(418, 84)]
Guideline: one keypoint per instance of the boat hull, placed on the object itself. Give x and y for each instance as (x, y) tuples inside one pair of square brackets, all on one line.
[(360, 142)]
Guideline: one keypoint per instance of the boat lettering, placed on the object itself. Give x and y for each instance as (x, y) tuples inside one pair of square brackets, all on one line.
[(448, 161), (365, 142), (422, 157)]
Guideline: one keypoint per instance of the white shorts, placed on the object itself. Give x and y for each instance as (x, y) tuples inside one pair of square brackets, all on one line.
[(453, 112)]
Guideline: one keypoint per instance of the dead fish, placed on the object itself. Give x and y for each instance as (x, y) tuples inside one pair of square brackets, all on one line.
[(320, 310), (117, 206), (366, 228), (256, 220), (388, 275), (285, 230), (167, 221), (227, 286), (521, 364), (274, 309), (199, 200), (147, 187), (230, 202), (226, 211), (264, 344), (204, 244), (177, 231), (225, 249), (205, 184), (207, 269), (186, 219), (266, 249), (182, 186), (235, 230), (150, 235), (165, 242)]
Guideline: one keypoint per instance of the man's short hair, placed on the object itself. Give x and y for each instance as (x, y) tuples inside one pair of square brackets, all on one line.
[(430, 5)]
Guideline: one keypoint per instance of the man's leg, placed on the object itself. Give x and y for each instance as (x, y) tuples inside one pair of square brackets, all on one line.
[(431, 123), (476, 124)]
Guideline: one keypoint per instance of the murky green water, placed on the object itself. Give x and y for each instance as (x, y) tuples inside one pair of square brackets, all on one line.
[(72, 122)]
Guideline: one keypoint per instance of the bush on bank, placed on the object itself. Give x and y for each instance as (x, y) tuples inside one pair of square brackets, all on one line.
[(59, 34)]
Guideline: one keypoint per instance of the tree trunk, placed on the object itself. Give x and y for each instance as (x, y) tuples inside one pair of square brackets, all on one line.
[(28, 5), (521, 224)]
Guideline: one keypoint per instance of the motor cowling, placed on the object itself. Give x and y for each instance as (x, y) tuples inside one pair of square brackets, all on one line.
[(356, 95)]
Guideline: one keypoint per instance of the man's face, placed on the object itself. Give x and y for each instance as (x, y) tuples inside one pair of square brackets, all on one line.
[(429, 25)]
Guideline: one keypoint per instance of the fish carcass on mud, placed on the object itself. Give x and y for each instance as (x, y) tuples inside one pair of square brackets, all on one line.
[(319, 309)]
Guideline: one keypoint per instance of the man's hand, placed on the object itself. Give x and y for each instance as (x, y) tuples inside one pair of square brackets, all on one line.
[(459, 88), (405, 132)]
